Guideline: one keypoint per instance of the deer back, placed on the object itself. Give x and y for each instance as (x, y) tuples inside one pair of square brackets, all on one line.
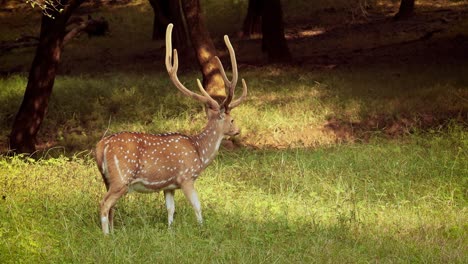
[(146, 162)]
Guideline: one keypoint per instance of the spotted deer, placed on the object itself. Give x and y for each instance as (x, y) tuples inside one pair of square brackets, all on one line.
[(150, 163)]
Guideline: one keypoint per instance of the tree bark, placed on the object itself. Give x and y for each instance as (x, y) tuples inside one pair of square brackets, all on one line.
[(406, 9), (273, 40), (270, 14), (204, 49), (253, 19), (165, 12), (161, 18), (41, 80)]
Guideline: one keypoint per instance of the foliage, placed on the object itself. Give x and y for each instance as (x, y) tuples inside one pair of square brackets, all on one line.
[(48, 7)]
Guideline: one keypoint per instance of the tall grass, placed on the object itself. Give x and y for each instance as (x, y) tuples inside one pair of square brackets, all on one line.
[(385, 201)]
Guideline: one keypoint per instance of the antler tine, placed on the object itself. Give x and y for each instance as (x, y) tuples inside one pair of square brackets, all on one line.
[(232, 56), (231, 85), (221, 69), (168, 60), (172, 67), (240, 99)]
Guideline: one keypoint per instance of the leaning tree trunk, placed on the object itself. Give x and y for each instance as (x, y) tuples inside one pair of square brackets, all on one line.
[(204, 49), (41, 80), (406, 9), (273, 40)]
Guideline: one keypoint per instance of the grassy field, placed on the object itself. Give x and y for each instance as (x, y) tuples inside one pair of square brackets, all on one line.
[(360, 159), (384, 201)]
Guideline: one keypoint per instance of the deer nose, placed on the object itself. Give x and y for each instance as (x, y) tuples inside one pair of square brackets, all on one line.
[(236, 132)]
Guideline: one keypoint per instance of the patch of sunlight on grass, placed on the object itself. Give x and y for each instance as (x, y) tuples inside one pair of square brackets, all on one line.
[(285, 108)]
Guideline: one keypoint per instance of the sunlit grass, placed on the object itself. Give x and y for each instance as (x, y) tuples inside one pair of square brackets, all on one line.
[(382, 201)]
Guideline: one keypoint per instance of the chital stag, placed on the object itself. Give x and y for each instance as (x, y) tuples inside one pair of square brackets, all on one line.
[(150, 163)]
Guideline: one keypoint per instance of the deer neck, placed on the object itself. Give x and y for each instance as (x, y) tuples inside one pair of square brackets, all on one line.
[(209, 140)]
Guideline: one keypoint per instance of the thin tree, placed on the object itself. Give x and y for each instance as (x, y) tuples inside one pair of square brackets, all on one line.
[(253, 19), (53, 36), (161, 17), (165, 12), (406, 9), (273, 40), (270, 15)]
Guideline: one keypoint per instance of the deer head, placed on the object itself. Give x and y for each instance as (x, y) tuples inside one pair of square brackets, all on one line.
[(149, 163)]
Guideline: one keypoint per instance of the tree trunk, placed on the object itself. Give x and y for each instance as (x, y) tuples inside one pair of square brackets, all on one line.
[(165, 12), (406, 9), (204, 49), (252, 21), (161, 18), (40, 81), (273, 40), (181, 41)]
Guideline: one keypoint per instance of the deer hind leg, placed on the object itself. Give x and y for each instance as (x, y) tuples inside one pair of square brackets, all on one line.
[(107, 211), (170, 205), (191, 195)]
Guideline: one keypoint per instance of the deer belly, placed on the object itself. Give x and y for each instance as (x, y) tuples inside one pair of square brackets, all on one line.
[(145, 186)]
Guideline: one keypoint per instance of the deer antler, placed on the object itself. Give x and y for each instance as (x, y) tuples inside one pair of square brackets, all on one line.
[(231, 85), (172, 70)]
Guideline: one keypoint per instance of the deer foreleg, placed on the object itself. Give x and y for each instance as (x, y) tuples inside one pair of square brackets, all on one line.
[(191, 195)]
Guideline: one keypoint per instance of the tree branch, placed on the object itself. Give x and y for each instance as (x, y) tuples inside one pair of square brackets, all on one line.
[(94, 27), (23, 42), (75, 31)]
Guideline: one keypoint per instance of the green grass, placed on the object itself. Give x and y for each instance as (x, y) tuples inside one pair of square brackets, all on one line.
[(384, 201)]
